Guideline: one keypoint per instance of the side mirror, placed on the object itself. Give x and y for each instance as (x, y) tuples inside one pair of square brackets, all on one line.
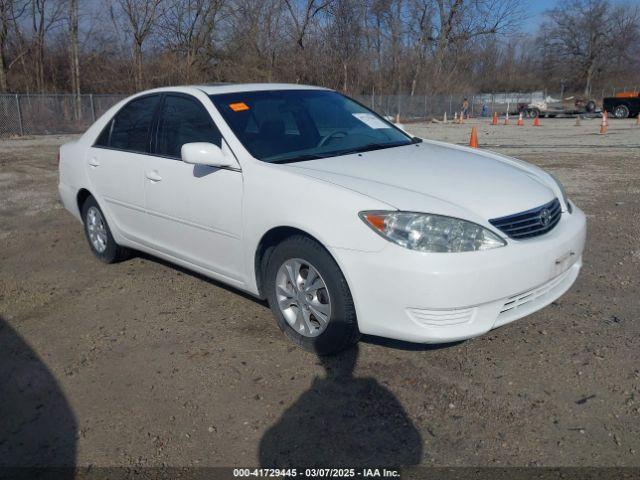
[(203, 153)]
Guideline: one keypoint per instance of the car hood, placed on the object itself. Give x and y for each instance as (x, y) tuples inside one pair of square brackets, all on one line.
[(438, 177)]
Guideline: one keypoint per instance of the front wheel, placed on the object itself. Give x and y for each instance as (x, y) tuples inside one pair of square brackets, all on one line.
[(310, 297)]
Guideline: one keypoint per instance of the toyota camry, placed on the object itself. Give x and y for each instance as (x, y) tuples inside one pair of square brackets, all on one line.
[(343, 222)]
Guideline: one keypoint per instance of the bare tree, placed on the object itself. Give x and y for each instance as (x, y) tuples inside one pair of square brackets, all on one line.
[(302, 15), (188, 28), (584, 34), (6, 17), (44, 15), (458, 22), (74, 57), (358, 46), (141, 16), (256, 35)]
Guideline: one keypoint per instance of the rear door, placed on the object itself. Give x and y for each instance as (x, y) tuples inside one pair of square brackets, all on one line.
[(116, 163), (194, 211)]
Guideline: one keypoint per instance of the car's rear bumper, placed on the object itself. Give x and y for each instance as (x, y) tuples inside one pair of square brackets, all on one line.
[(434, 298), (68, 196)]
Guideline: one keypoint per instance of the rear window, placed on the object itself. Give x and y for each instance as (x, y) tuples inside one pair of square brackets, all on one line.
[(129, 129)]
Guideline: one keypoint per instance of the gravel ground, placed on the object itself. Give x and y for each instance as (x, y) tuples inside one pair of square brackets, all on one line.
[(142, 363)]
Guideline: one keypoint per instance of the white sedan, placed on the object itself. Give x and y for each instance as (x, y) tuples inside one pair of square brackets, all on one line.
[(343, 222)]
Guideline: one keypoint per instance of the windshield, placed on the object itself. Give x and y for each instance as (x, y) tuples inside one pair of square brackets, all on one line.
[(281, 126)]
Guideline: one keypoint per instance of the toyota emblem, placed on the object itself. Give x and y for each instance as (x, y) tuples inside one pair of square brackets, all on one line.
[(545, 217)]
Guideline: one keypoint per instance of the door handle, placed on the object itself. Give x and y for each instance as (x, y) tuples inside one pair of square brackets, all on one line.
[(153, 176), (94, 162)]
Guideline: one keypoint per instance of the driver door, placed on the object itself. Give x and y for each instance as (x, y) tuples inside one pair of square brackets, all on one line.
[(194, 211)]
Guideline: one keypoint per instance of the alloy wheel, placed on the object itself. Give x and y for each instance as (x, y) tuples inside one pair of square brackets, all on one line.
[(303, 297), (96, 229)]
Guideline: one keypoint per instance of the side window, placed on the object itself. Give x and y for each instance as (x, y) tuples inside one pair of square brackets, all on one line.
[(103, 139), (130, 127), (183, 120)]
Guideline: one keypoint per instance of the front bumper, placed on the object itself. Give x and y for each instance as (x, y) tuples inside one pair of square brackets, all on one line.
[(444, 297)]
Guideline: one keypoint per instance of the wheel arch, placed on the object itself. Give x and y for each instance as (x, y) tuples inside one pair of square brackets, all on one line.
[(269, 241), (81, 197)]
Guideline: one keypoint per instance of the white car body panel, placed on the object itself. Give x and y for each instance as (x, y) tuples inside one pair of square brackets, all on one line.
[(212, 220), (196, 211)]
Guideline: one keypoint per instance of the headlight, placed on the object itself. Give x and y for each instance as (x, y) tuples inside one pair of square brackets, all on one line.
[(426, 232), (565, 199)]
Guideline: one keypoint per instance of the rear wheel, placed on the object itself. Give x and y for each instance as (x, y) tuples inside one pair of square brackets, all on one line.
[(99, 234), (621, 111), (309, 296), (532, 113)]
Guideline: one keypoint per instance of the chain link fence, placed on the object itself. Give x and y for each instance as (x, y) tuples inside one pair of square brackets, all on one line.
[(42, 114), (423, 107)]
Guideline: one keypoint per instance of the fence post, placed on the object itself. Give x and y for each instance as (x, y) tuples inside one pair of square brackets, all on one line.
[(20, 126), (426, 108), (93, 110)]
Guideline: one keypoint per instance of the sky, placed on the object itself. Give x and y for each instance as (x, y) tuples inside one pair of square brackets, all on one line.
[(536, 8)]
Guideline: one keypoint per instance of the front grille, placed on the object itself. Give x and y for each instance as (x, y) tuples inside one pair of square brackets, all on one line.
[(531, 223)]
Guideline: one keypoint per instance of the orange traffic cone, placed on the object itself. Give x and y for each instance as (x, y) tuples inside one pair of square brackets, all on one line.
[(506, 119), (536, 122), (473, 141), (461, 117), (495, 118), (520, 122), (603, 125)]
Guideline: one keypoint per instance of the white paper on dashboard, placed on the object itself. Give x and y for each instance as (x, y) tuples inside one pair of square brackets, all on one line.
[(370, 120)]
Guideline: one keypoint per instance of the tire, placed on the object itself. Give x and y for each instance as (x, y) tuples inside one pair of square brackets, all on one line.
[(98, 234), (621, 111), (590, 107), (340, 330)]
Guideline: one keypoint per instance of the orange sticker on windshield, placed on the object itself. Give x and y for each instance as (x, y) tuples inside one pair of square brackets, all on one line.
[(239, 107)]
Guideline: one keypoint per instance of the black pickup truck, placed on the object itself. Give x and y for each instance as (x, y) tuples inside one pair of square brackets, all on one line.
[(622, 106)]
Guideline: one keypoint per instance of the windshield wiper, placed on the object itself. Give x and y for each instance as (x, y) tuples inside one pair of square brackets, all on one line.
[(372, 146), (316, 156), (299, 158)]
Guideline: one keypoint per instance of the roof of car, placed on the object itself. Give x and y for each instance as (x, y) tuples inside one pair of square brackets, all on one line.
[(213, 88)]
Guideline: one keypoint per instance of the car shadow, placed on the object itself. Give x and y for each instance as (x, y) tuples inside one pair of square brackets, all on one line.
[(37, 425), (342, 421), (408, 346), (199, 276)]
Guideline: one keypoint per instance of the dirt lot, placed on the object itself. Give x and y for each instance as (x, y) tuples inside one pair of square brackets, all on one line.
[(142, 363)]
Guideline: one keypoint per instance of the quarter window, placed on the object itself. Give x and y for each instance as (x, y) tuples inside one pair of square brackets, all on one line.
[(183, 120), (129, 129)]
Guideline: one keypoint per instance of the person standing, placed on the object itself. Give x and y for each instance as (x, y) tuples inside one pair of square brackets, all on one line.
[(465, 108)]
